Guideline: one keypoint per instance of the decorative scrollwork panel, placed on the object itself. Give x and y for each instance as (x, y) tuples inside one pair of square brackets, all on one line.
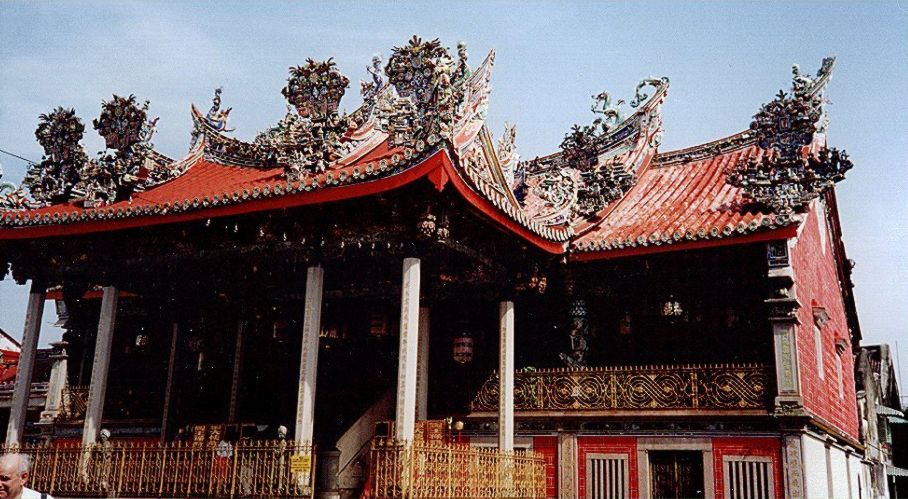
[(727, 386)]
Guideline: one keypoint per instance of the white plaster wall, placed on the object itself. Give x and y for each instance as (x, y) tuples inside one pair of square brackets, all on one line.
[(858, 491), (814, 468), (838, 460)]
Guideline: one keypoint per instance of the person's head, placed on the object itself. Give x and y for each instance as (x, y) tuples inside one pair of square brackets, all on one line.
[(281, 432), (13, 474)]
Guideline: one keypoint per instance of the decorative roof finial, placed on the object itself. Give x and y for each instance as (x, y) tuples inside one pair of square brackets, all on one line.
[(421, 73), (316, 88), (54, 178), (369, 90), (216, 117), (787, 177)]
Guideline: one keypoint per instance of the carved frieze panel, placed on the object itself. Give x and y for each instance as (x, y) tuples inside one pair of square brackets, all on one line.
[(634, 388)]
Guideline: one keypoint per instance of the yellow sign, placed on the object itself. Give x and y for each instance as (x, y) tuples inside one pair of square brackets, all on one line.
[(300, 464)]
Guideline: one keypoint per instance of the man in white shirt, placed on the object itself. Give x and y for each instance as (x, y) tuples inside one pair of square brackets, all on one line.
[(13, 476)]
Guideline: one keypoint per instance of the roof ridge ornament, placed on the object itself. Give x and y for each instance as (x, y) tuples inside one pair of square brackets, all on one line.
[(126, 129), (600, 183), (370, 90), (218, 118), (65, 170), (642, 97), (793, 168), (312, 137), (13, 197), (424, 110), (52, 179)]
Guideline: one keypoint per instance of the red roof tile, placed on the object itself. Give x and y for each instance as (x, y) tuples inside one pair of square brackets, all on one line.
[(679, 202)]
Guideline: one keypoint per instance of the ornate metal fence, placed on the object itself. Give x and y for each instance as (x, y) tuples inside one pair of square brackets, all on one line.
[(258, 469), (444, 470), (710, 386)]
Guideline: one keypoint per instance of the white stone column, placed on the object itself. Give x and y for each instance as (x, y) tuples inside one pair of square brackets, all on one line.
[(94, 408), (57, 383), (19, 404), (168, 387), (237, 373), (312, 324), (406, 368), (422, 371), (506, 376)]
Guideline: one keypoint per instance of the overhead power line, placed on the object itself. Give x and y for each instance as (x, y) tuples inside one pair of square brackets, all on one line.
[(20, 157)]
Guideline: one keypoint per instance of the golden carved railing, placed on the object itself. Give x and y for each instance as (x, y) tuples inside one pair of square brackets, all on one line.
[(260, 469), (75, 399), (662, 387), (445, 470)]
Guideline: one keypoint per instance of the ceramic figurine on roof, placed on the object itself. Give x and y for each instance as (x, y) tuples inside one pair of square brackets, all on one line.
[(421, 72), (601, 183), (311, 139), (126, 129), (218, 118), (370, 89), (792, 170), (599, 163), (53, 179), (13, 197)]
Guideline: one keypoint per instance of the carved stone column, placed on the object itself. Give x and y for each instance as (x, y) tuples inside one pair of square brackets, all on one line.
[(506, 376), (312, 324), (57, 383), (406, 369), (783, 306), (32, 329), (422, 372), (793, 466), (94, 408), (567, 466)]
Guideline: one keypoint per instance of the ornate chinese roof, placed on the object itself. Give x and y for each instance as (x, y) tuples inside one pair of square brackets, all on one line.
[(680, 201), (423, 116)]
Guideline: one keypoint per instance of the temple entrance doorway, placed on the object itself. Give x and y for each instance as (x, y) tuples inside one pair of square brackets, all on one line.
[(677, 474)]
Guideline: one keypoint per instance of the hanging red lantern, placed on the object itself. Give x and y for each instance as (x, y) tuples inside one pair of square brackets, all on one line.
[(378, 325), (279, 330), (624, 325), (463, 348)]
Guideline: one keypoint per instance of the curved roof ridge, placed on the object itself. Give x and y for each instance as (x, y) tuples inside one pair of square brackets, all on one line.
[(705, 150)]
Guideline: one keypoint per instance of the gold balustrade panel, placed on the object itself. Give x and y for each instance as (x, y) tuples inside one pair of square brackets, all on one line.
[(665, 387), (449, 471), (179, 469)]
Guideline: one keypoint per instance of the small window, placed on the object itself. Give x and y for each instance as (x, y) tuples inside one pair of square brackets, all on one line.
[(607, 476), (748, 477), (838, 371), (818, 340)]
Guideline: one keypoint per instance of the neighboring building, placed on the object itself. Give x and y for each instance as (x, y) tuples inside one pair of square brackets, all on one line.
[(8, 343), (882, 417), (663, 324)]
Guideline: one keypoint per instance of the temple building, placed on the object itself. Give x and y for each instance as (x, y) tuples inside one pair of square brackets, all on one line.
[(392, 303)]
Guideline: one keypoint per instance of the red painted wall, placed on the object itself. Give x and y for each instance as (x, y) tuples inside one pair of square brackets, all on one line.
[(747, 446), (817, 284), (607, 445), (548, 447)]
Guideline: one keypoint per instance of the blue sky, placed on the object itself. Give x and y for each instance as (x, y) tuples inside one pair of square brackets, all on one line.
[(724, 60)]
